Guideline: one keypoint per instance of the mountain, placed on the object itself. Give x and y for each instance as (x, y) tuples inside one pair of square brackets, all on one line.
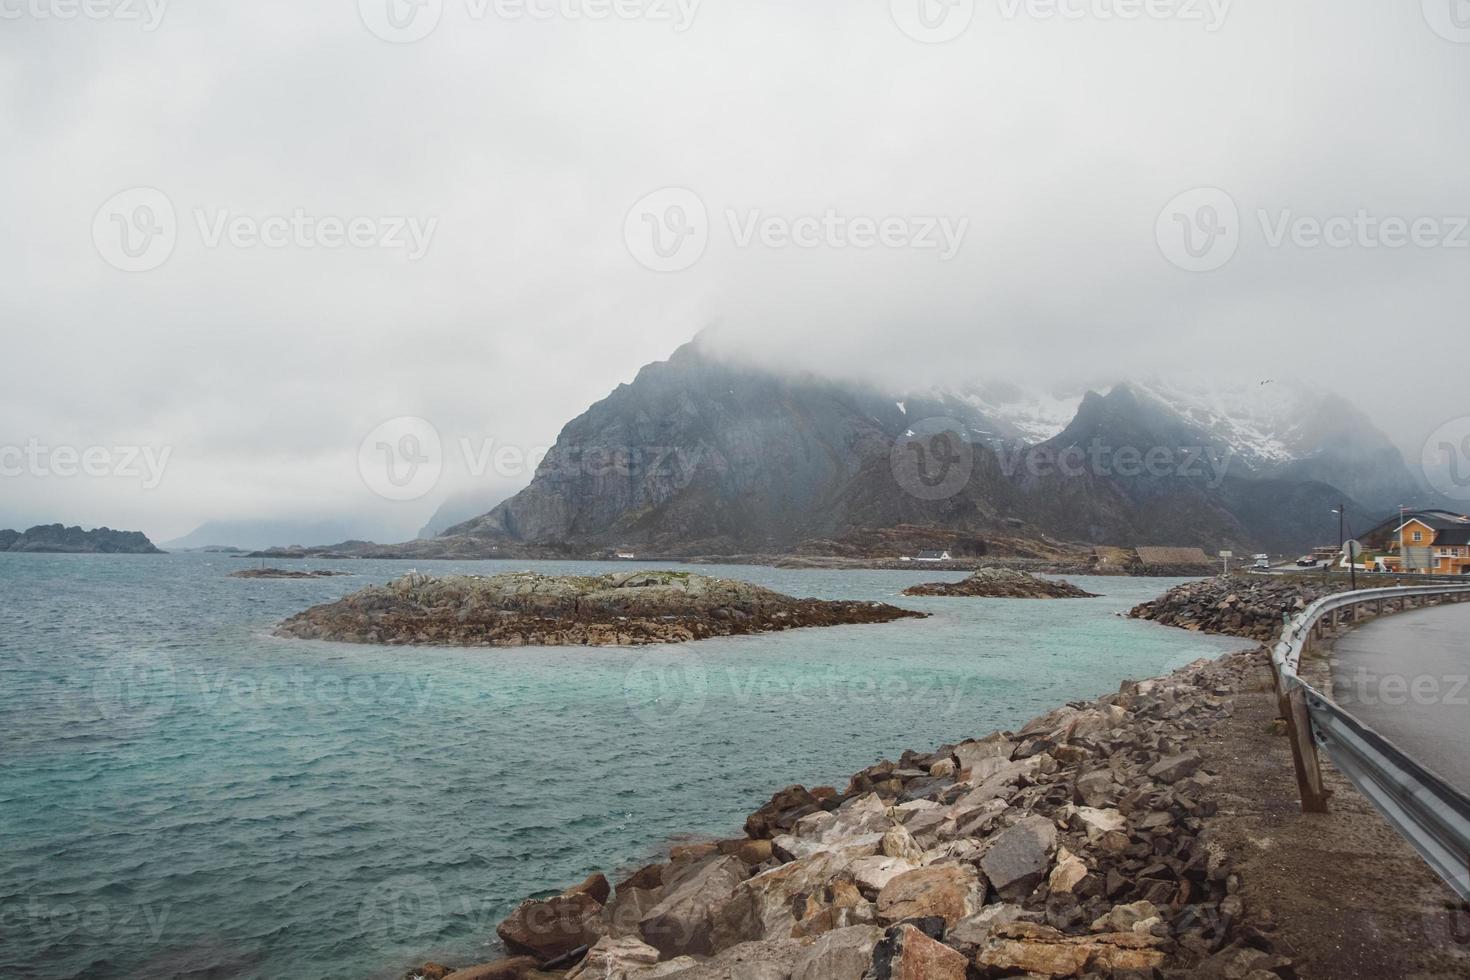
[(460, 507), (699, 455), (58, 539), (254, 534)]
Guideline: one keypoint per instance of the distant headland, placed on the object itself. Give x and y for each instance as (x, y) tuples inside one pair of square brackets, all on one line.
[(59, 539)]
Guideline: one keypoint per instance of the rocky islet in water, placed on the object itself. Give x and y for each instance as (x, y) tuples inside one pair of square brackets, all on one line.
[(528, 609)]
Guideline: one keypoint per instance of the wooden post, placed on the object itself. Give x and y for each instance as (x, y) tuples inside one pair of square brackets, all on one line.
[(1304, 753)]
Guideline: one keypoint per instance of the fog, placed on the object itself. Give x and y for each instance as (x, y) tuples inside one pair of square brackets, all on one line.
[(245, 236)]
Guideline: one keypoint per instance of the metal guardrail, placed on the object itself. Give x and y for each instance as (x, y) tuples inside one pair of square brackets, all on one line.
[(1429, 813)]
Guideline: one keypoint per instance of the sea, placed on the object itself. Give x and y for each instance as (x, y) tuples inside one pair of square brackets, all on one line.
[(183, 795)]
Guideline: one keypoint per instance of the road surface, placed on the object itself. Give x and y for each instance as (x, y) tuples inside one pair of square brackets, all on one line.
[(1407, 675)]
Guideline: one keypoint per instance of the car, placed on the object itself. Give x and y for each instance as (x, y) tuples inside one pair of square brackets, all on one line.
[(1261, 561), (1307, 561)]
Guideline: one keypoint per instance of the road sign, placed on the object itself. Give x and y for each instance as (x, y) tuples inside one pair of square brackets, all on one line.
[(1227, 554), (1352, 550)]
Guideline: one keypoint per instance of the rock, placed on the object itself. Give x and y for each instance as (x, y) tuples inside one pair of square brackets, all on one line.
[(1018, 858), (781, 813), (1096, 788), (1098, 822), (995, 746), (906, 953), (1044, 951), (1068, 872), (621, 916), (547, 929), (752, 852), (769, 904), (683, 920), (614, 959), (509, 969), (899, 843), (772, 960), (944, 767), (843, 954), (1121, 918), (873, 873), (1173, 768), (836, 905), (429, 971), (529, 609), (1002, 583), (596, 885), (950, 892), (972, 931)]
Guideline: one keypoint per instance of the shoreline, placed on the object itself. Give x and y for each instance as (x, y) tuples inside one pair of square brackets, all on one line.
[(997, 838)]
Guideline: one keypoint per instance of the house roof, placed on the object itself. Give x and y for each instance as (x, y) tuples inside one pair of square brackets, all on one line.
[(932, 553), (1454, 535), (1173, 556)]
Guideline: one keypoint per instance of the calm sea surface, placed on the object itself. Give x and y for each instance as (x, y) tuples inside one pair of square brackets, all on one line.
[(182, 795)]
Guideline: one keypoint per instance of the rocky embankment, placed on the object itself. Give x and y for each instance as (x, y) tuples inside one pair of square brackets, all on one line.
[(284, 573), (526, 609), (1255, 608), (1002, 583), (59, 539), (1074, 847)]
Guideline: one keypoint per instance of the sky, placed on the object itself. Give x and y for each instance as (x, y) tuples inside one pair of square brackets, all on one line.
[(246, 242)]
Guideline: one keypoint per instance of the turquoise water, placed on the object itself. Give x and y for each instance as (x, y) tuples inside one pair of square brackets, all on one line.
[(182, 795)]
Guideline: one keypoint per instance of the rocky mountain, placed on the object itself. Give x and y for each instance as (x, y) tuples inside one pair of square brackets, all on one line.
[(699, 455), (458, 508), (264, 533), (58, 539)]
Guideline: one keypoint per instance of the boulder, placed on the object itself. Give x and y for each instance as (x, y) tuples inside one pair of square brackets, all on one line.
[(684, 919), (621, 916), (972, 931), (781, 813), (1067, 874), (614, 959), (553, 927), (1173, 768), (873, 873), (950, 892), (1018, 857), (774, 960), (907, 953), (1021, 947), (843, 954), (1097, 822), (899, 843), (1122, 918), (994, 746), (768, 905), (596, 885), (510, 969)]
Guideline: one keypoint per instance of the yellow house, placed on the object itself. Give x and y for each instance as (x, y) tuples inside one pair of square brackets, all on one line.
[(1431, 545)]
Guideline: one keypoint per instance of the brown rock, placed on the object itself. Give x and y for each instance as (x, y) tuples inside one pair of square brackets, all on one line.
[(951, 891), (682, 921), (512, 969), (596, 885), (553, 927), (906, 953)]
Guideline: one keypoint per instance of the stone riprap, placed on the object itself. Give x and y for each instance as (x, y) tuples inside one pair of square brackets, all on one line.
[(1002, 583)]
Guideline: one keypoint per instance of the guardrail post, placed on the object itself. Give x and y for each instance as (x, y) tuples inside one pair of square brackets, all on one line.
[(1304, 752)]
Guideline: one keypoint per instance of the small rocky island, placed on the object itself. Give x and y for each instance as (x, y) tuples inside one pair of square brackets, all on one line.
[(1002, 583), (285, 573), (527, 609), (57, 539)]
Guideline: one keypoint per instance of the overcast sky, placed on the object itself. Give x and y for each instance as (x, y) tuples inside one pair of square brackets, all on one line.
[(1012, 201)]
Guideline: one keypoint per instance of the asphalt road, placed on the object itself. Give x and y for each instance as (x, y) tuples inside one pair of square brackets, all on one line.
[(1408, 676)]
